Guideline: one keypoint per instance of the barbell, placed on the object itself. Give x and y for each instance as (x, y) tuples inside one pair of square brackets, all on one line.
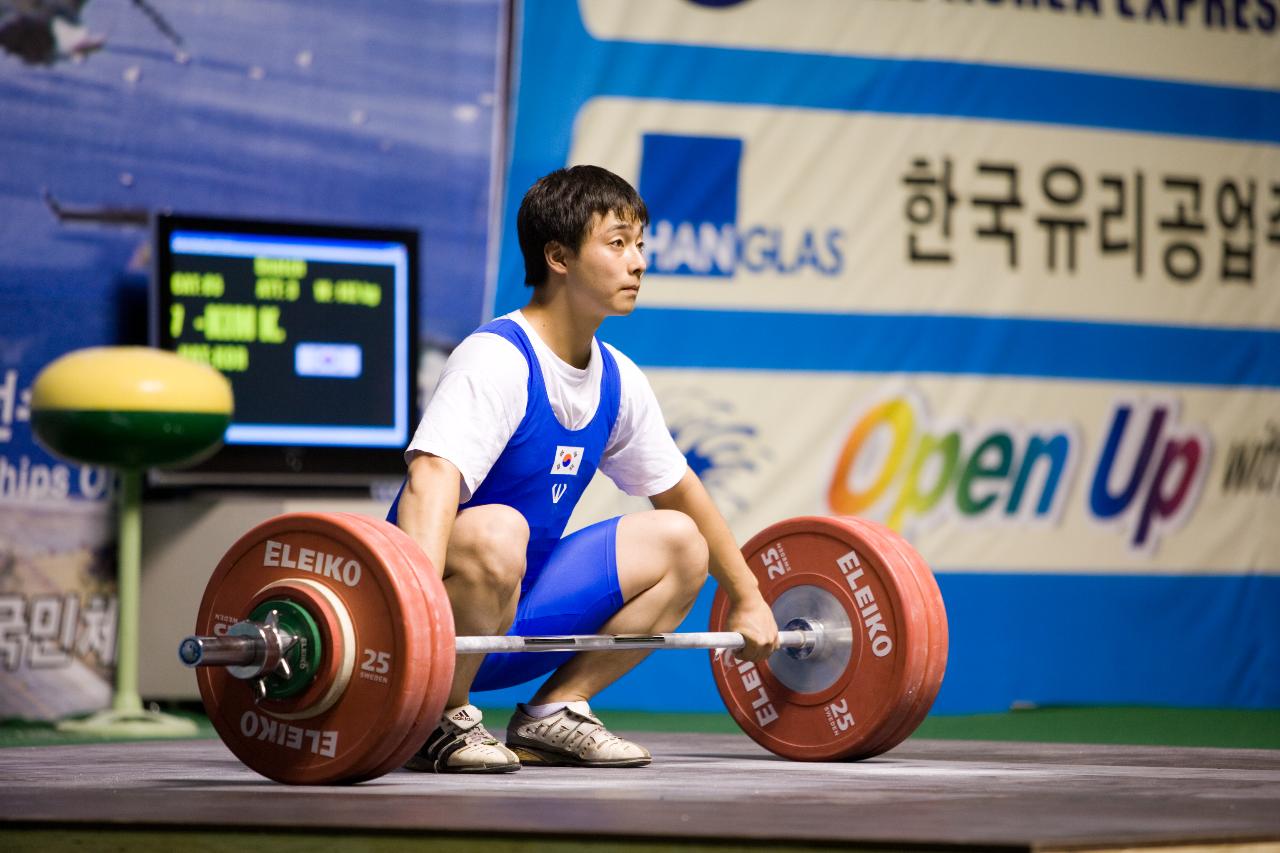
[(325, 645)]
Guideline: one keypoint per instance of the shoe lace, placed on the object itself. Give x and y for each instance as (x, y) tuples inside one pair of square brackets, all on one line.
[(479, 736)]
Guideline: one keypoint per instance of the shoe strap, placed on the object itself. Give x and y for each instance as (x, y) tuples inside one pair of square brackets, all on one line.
[(582, 709), (460, 728), (598, 733), (464, 718)]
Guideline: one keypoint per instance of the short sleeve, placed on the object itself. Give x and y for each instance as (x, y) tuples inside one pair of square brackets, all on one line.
[(640, 457), (476, 408)]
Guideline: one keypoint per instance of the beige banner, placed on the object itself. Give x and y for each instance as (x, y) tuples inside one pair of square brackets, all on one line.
[(914, 214)]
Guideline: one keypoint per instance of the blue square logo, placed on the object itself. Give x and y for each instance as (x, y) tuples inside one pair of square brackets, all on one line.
[(690, 185)]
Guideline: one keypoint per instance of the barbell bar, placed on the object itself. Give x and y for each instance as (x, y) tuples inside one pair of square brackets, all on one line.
[(253, 648), (324, 645)]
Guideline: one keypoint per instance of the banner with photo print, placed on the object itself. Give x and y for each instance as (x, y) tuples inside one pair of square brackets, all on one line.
[(1002, 276)]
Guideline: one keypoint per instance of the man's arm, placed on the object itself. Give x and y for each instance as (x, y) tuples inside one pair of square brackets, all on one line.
[(471, 415), (749, 615), (429, 505)]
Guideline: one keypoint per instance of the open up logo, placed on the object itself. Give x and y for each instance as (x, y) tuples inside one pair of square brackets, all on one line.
[(900, 465), (1149, 472)]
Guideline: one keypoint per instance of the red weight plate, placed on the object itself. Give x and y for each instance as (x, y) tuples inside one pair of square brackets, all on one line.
[(890, 545), (348, 566), (938, 633), (440, 651), (934, 639), (861, 705), (417, 665), (937, 625), (442, 644), (418, 680)]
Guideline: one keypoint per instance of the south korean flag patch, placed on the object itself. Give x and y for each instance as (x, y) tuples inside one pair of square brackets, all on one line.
[(567, 460)]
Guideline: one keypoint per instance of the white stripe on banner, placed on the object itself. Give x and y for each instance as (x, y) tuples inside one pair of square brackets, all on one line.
[(1210, 41), (1002, 475)]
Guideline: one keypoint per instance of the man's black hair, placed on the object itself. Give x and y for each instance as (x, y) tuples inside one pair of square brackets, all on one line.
[(561, 207)]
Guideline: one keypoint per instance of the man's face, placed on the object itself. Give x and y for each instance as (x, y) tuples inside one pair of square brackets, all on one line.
[(604, 274)]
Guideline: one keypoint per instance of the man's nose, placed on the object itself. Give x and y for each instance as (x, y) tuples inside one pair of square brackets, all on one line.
[(638, 262)]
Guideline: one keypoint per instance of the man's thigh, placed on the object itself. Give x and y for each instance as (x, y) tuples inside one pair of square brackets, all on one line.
[(653, 544)]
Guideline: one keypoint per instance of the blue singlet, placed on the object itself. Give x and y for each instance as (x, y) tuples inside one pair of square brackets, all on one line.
[(570, 584)]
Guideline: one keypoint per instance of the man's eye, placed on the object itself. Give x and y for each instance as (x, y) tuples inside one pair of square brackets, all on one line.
[(640, 245)]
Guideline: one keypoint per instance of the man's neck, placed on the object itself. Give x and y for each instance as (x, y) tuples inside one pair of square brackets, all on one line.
[(563, 330)]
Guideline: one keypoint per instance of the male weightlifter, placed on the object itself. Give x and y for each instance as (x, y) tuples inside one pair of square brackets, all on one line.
[(528, 407)]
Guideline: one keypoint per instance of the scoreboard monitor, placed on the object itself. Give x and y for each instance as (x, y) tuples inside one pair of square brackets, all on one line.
[(315, 327)]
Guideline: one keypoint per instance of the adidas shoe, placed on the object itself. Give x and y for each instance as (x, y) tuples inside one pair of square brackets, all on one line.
[(460, 744)]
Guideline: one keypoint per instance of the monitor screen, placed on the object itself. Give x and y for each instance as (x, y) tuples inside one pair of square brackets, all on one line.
[(315, 327)]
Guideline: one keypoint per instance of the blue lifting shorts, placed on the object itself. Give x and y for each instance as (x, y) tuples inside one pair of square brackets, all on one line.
[(575, 592)]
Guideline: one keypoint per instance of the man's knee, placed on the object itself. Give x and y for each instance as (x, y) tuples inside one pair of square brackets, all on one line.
[(487, 547), (686, 549)]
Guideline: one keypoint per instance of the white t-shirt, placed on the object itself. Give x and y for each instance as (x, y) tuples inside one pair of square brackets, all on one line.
[(481, 397)]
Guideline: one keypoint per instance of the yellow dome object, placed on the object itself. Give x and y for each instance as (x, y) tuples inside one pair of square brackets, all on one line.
[(130, 407), (130, 379)]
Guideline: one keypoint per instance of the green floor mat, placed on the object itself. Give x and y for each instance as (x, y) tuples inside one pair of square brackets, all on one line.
[(28, 733), (1130, 725), (1133, 725)]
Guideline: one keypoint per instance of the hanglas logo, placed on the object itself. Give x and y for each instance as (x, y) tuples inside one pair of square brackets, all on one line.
[(691, 185)]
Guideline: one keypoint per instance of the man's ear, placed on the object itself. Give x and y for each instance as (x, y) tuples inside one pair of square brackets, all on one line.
[(556, 256)]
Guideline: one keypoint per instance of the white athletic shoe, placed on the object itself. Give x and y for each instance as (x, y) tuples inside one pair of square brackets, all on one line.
[(460, 744), (572, 736)]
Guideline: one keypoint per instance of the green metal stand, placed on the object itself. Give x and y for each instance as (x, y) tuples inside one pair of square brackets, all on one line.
[(127, 717)]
